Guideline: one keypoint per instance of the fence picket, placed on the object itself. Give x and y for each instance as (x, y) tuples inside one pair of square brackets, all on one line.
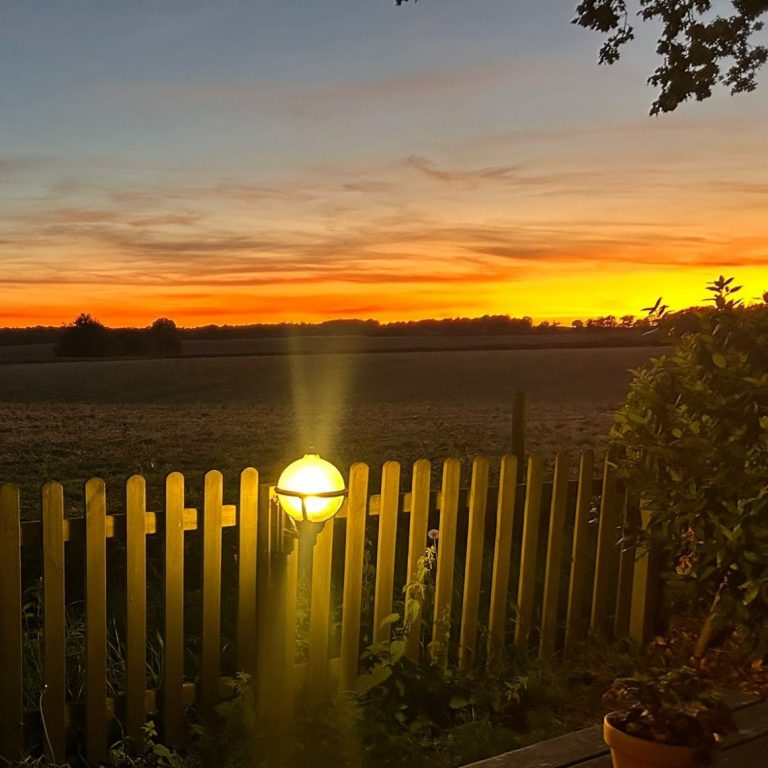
[(645, 586), (446, 553), (173, 637), (626, 570), (96, 620), (10, 620), (502, 554), (578, 587), (604, 586), (417, 542), (385, 557), (269, 507), (529, 552), (320, 611), (248, 511), (54, 623), (478, 499), (554, 565), (291, 595), (357, 501), (210, 638), (136, 596)]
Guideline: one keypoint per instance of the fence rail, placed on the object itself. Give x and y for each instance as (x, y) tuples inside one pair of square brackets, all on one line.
[(171, 604)]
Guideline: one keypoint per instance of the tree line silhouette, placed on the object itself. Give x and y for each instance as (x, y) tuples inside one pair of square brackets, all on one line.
[(87, 337)]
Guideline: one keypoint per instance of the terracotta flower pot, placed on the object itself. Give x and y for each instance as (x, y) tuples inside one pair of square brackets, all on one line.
[(632, 752)]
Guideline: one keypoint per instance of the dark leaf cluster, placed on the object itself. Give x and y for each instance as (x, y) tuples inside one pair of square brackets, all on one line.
[(698, 48), (675, 707)]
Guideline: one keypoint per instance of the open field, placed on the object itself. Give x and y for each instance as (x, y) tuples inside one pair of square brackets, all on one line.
[(308, 344), (72, 420)]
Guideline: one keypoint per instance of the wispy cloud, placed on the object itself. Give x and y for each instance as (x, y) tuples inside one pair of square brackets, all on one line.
[(368, 253), (304, 99), (500, 173)]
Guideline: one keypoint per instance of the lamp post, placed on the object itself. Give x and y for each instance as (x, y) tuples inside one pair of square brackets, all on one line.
[(310, 491)]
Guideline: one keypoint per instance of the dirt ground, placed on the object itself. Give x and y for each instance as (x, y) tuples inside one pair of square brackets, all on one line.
[(71, 421)]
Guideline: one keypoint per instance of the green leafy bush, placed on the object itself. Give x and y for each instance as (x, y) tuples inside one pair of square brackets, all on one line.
[(694, 434)]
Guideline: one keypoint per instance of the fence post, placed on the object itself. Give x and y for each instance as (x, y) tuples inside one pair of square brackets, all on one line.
[(10, 621), (519, 416)]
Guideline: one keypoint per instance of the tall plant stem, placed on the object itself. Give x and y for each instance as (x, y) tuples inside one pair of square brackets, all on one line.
[(708, 627)]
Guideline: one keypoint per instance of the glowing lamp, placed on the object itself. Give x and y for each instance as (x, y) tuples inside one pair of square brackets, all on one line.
[(311, 489)]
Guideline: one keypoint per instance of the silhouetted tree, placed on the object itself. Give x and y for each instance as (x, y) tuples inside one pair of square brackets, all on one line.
[(607, 321), (699, 49), (84, 337), (38, 334), (87, 337), (164, 337)]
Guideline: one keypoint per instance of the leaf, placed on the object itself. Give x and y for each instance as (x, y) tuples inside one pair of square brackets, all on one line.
[(378, 675), (458, 701), (396, 651), (753, 590), (719, 360), (393, 618)]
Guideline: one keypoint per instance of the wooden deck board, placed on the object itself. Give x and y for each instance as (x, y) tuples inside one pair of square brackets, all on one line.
[(585, 748), (571, 749)]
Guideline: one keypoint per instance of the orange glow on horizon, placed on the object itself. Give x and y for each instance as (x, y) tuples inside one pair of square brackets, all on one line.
[(552, 295)]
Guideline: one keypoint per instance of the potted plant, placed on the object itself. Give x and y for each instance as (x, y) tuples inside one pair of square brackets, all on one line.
[(667, 719)]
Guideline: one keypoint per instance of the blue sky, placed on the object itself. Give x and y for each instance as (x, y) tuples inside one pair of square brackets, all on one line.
[(234, 161)]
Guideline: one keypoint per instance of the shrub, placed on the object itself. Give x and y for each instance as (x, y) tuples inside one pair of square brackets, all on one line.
[(675, 707), (694, 434)]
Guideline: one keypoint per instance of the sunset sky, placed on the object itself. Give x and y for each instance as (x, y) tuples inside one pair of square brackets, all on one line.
[(238, 161)]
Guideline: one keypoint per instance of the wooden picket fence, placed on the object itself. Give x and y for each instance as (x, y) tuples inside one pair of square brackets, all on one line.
[(532, 566)]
